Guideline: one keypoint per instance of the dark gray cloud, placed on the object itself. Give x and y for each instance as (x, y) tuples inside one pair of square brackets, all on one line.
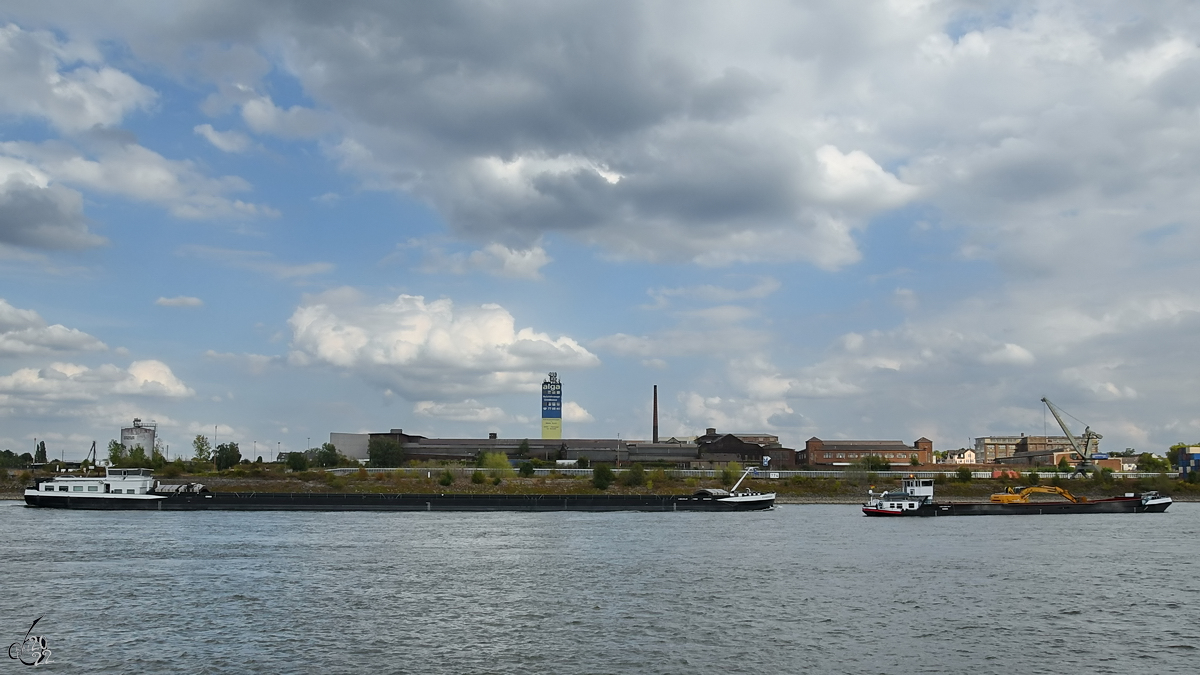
[(43, 217)]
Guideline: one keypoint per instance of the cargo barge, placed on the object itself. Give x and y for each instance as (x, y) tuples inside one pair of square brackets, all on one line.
[(915, 498), (136, 489)]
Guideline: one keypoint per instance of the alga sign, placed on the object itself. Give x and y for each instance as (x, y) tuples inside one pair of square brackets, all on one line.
[(552, 407)]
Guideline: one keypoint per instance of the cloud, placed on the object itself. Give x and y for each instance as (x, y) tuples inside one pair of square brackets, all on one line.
[(262, 262), (573, 412), (462, 411), (264, 117), (54, 80), (179, 301), (494, 259), (66, 382), (138, 173), (252, 363), (38, 214), (23, 332), (428, 350), (225, 141)]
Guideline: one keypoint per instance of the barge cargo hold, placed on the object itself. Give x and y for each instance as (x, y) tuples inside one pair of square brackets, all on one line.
[(135, 489), (916, 499)]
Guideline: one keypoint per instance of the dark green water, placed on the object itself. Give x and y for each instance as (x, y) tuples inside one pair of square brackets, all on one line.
[(815, 589)]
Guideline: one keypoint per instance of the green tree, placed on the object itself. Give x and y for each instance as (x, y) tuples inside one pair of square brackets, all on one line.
[(1149, 463), (634, 476), (1064, 464), (477, 477), (523, 448), (447, 478), (526, 469), (1176, 450), (137, 458), (602, 476), (39, 454), (297, 461), (226, 456), (496, 463), (963, 474), (201, 449), (730, 473), (385, 452), (913, 461), (872, 463), (117, 453), (583, 462), (328, 456)]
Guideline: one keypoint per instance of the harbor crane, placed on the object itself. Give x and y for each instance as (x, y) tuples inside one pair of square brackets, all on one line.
[(1088, 439)]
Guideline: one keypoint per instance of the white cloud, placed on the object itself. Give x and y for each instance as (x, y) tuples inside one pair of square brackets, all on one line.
[(225, 141), (264, 117), (462, 411), (63, 382), (428, 349), (179, 301), (494, 259), (56, 81), (23, 332), (573, 412), (135, 172)]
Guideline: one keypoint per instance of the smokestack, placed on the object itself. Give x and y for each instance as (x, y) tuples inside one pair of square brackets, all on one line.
[(656, 413)]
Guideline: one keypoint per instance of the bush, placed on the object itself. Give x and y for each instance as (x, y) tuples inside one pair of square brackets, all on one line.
[(296, 461), (496, 480), (496, 463), (173, 470), (384, 453), (526, 469), (730, 473), (872, 463), (635, 476), (963, 474), (478, 477), (447, 478), (1033, 477), (602, 477), (582, 463)]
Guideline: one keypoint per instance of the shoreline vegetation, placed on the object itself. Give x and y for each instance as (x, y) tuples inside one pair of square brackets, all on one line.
[(849, 489)]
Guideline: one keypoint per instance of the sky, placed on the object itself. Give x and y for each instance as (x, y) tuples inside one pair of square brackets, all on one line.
[(266, 222)]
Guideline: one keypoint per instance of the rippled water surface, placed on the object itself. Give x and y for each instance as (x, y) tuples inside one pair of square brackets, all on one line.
[(800, 589)]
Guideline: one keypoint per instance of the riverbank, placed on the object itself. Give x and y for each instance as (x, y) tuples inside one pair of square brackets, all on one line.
[(788, 491)]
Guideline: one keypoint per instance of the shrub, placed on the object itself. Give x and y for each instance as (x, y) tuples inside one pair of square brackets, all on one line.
[(478, 477), (496, 463), (172, 470), (25, 477), (635, 476), (1034, 478), (658, 477), (446, 478), (939, 479), (296, 461), (602, 477), (362, 473), (385, 452), (582, 463), (526, 469), (963, 474), (496, 480), (730, 473), (3, 473)]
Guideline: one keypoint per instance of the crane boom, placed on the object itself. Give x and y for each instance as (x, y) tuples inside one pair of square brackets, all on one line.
[(1084, 452)]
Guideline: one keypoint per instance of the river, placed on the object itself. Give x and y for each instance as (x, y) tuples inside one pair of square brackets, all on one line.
[(803, 588)]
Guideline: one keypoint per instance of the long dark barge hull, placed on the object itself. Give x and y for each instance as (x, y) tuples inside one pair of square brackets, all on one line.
[(1115, 505), (320, 501)]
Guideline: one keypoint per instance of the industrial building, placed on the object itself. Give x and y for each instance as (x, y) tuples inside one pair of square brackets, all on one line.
[(142, 434), (838, 452), (705, 452)]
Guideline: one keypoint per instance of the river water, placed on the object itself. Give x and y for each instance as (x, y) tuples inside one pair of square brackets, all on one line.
[(812, 589)]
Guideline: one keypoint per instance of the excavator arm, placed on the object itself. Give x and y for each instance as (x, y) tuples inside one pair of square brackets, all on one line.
[(1020, 495)]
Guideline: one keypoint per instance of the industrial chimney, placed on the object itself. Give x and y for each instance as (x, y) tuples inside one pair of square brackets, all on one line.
[(656, 413)]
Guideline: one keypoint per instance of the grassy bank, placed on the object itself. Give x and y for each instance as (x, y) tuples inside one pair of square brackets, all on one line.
[(797, 490)]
